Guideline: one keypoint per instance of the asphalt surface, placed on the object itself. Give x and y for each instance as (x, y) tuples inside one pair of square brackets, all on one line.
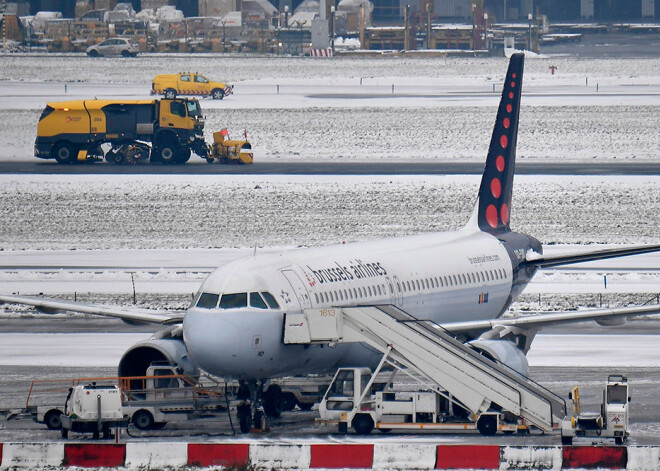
[(198, 167)]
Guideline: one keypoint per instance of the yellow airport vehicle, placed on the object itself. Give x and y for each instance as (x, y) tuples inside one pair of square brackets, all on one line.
[(122, 131), (172, 85), (229, 151)]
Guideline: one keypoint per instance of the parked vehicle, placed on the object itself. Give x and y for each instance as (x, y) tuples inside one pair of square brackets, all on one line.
[(124, 47)]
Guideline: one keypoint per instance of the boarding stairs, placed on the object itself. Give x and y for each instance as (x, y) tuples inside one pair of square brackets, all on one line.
[(423, 347)]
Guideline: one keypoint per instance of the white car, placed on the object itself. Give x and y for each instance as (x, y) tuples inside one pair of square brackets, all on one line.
[(114, 47)]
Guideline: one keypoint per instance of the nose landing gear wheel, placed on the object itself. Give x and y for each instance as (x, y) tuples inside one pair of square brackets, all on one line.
[(245, 418)]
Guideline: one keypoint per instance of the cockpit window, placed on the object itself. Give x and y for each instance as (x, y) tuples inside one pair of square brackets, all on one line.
[(270, 299), (233, 301), (257, 301), (208, 301)]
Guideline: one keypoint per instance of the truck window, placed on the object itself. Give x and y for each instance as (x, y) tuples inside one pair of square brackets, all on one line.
[(193, 108), (47, 110), (185, 78), (617, 394), (177, 108), (201, 79), (233, 301), (208, 301), (343, 385)]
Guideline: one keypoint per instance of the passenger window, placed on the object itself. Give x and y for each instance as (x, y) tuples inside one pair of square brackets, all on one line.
[(208, 301), (256, 301), (233, 301), (316, 296), (185, 78), (270, 300), (201, 79), (177, 108)]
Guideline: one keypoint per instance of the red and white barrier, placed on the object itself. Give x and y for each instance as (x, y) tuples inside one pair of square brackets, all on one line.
[(405, 454), (320, 52)]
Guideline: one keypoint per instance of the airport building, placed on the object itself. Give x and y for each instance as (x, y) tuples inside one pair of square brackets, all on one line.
[(392, 11)]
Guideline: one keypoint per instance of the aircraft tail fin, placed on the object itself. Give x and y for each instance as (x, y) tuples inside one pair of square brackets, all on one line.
[(493, 208)]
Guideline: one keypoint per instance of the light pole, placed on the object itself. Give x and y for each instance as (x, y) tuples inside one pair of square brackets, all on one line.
[(529, 19), (286, 16), (486, 30), (332, 29)]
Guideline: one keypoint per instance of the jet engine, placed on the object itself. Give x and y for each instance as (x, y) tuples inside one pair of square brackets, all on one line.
[(503, 351), (164, 346)]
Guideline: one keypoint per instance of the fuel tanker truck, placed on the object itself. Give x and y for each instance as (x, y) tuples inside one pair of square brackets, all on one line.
[(122, 131)]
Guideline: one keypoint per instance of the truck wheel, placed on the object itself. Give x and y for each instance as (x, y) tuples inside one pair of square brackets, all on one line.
[(170, 94), (273, 401), (566, 440), (288, 402), (487, 425), (65, 432), (363, 424), (143, 419), (65, 153), (167, 152), (53, 420), (183, 155), (218, 93), (618, 440)]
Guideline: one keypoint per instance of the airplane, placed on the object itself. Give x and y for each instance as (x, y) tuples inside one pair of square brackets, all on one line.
[(463, 280)]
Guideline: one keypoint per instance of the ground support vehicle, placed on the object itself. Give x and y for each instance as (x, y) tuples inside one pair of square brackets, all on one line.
[(121, 131), (490, 391), (610, 422), (402, 406), (229, 151), (93, 408), (172, 85), (165, 394)]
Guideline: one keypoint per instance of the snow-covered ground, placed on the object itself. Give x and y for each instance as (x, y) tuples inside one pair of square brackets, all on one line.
[(368, 108), (51, 212)]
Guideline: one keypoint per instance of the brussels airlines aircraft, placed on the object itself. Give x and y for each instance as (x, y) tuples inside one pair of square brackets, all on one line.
[(463, 280)]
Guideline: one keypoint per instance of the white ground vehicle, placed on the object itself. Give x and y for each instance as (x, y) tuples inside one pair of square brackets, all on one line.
[(354, 400), (93, 408), (610, 422), (124, 47)]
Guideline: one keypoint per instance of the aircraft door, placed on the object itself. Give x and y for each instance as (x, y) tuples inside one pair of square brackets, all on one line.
[(298, 288), (397, 290), (390, 287)]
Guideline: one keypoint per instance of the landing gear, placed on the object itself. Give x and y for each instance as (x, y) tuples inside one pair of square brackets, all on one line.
[(250, 410)]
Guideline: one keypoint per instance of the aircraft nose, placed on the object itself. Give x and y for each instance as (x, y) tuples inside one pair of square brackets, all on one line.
[(211, 340)]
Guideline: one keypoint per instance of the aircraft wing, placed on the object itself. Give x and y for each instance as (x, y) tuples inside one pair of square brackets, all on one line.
[(546, 261), (50, 306), (615, 316)]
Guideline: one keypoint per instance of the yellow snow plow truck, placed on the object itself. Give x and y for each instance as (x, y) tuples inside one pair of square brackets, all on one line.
[(121, 131)]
